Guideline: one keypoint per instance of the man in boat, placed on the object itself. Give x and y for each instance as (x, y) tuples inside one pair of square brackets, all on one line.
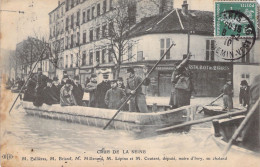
[(227, 97), (40, 85), (102, 89), (244, 93), (55, 88), (48, 94), (77, 91), (138, 101), (114, 96), (64, 79), (120, 83), (173, 101), (91, 89), (29, 93), (66, 95)]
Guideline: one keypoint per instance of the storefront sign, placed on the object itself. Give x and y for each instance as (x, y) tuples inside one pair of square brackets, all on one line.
[(197, 67)]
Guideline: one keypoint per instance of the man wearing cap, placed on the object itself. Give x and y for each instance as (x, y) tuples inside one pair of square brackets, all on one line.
[(115, 96), (56, 89), (227, 97), (244, 93), (137, 102), (120, 83), (66, 95), (77, 91), (91, 89), (102, 89), (48, 94)]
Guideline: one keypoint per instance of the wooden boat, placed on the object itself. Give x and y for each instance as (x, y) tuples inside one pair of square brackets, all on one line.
[(130, 121), (213, 110), (224, 129)]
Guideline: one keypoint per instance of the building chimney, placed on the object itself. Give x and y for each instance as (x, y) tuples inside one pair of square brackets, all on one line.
[(185, 7)]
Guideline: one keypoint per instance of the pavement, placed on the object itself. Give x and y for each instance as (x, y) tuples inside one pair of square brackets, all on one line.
[(194, 100)]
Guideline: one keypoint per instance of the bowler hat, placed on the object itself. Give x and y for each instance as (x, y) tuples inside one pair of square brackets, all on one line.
[(130, 69), (244, 82), (93, 76)]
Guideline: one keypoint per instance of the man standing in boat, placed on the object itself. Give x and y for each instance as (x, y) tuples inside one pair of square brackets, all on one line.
[(77, 90), (40, 85), (114, 96), (55, 88), (102, 89), (138, 101), (66, 95), (244, 94), (91, 88), (227, 97), (48, 94)]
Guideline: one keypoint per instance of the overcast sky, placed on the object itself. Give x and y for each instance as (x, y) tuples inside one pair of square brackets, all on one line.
[(35, 21)]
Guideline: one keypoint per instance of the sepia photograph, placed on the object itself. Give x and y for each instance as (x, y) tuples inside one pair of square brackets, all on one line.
[(129, 83)]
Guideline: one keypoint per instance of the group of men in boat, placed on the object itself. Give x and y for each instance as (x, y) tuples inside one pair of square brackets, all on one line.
[(108, 94)]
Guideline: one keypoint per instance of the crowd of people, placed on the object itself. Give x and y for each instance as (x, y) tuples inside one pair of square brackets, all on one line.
[(109, 94)]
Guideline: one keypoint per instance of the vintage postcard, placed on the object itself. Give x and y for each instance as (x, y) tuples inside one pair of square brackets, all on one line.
[(129, 83)]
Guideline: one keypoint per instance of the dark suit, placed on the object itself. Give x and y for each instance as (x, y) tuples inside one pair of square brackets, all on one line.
[(78, 93), (102, 89)]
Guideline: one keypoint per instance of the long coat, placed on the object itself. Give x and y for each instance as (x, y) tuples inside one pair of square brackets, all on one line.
[(137, 102), (91, 89), (66, 96), (41, 84), (56, 92), (78, 93), (115, 97), (49, 96), (244, 96), (29, 94), (102, 89), (227, 97)]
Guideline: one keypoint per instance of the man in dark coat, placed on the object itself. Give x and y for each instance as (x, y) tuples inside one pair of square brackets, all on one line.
[(102, 89), (56, 89), (137, 102), (77, 91), (244, 93), (29, 93), (91, 88), (48, 95), (66, 95), (114, 96), (120, 83), (40, 85), (227, 97)]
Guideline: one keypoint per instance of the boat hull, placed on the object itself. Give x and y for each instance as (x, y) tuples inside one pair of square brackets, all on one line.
[(130, 121)]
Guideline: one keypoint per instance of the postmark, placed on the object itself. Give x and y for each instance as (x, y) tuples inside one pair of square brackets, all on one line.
[(235, 23)]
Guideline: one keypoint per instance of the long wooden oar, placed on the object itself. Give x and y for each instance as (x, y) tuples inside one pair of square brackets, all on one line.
[(202, 120), (27, 79), (129, 97), (241, 127), (212, 101)]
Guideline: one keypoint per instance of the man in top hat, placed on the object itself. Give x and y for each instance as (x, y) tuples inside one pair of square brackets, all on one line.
[(244, 93), (66, 95), (77, 90), (91, 89), (40, 85), (48, 95), (227, 97), (138, 101), (29, 93), (102, 89), (56, 89), (120, 83), (115, 96)]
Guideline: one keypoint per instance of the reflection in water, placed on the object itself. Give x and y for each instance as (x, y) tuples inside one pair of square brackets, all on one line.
[(46, 134)]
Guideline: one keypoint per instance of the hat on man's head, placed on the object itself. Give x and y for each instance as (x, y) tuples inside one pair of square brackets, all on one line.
[(105, 76), (120, 79), (131, 70), (93, 76), (244, 82), (68, 81), (76, 77), (55, 79)]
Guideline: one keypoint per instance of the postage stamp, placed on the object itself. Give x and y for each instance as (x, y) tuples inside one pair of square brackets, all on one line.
[(235, 18)]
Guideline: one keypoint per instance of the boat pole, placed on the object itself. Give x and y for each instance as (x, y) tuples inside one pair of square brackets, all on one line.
[(212, 101), (27, 79), (241, 127), (130, 96)]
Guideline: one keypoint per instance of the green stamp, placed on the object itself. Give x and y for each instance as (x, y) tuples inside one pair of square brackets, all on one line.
[(235, 19)]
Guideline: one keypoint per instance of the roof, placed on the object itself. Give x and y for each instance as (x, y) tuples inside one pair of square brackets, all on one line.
[(62, 3), (174, 21)]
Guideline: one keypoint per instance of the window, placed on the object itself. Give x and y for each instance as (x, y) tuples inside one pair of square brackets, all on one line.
[(84, 36), (104, 6), (67, 23), (66, 61), (84, 58), (71, 44), (111, 4), (62, 44), (110, 55), (103, 56), (78, 18), (83, 17), (78, 38), (90, 58), (50, 19), (88, 14), (91, 35), (67, 5), (245, 54), (104, 29), (210, 49), (98, 9), (93, 12), (165, 44), (72, 3), (72, 21), (71, 60), (97, 33), (140, 56), (97, 56), (130, 50), (110, 28)]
